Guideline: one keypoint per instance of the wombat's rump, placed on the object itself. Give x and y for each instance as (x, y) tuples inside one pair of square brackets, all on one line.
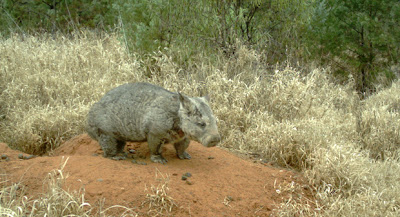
[(145, 112)]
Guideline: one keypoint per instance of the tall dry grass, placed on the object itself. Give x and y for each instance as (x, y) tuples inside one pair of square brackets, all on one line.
[(348, 149), (47, 86)]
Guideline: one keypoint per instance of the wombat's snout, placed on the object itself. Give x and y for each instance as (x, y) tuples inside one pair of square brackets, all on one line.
[(214, 141)]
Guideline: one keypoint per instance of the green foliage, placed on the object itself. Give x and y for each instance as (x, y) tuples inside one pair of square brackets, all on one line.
[(362, 36), (192, 26), (148, 25), (54, 15), (211, 26)]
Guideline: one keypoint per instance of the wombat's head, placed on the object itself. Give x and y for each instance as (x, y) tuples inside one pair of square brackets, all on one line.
[(198, 121)]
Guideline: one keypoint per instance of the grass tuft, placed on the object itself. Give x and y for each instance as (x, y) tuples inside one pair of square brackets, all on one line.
[(12, 199), (57, 201), (157, 198)]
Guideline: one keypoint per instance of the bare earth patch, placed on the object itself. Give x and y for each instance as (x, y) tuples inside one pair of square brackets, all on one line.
[(221, 183)]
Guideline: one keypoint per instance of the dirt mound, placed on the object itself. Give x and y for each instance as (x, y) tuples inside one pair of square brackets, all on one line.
[(222, 184)]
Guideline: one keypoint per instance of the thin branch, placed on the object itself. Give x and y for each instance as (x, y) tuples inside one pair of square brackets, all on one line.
[(16, 24)]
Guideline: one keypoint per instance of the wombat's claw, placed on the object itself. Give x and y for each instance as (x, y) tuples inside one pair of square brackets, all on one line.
[(158, 159), (185, 155), (118, 158)]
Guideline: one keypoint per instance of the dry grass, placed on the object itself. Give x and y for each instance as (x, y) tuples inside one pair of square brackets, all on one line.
[(56, 201), (48, 85), (379, 127), (157, 198), (297, 204), (12, 199), (347, 148)]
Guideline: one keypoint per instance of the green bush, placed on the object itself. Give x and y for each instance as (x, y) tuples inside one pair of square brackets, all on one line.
[(55, 15), (360, 38)]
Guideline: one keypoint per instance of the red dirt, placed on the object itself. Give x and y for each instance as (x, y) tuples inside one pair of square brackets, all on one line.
[(251, 186)]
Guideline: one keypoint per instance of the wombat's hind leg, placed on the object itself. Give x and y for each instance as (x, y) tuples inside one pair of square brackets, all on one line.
[(155, 145), (121, 155), (181, 147), (108, 144)]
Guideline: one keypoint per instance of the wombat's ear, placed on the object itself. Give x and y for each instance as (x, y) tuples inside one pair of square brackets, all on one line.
[(187, 104), (184, 100), (207, 98)]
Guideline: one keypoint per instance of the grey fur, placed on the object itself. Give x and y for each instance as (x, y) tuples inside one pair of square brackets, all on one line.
[(144, 112)]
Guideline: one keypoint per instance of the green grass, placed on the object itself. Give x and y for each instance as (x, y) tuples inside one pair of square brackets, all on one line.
[(347, 149)]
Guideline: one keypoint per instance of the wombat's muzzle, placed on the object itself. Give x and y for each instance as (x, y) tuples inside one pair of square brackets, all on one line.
[(213, 141)]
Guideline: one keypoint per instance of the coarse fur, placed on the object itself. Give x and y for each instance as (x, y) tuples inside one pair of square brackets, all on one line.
[(145, 112)]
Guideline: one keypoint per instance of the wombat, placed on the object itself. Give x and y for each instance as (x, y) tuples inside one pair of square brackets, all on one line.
[(139, 112)]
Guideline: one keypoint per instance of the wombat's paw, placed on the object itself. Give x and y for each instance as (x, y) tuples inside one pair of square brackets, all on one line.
[(158, 159), (185, 155), (118, 158)]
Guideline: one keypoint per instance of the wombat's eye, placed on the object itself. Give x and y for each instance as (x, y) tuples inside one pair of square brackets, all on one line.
[(201, 124)]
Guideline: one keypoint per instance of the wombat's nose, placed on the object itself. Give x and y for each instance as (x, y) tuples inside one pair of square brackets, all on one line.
[(214, 141)]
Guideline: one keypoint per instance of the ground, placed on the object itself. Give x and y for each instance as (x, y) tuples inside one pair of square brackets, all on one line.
[(222, 183)]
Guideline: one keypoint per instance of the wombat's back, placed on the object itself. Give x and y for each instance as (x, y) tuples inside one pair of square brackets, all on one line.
[(128, 109), (135, 92)]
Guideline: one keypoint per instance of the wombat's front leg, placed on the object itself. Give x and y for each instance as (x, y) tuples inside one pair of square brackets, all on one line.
[(181, 147), (155, 145)]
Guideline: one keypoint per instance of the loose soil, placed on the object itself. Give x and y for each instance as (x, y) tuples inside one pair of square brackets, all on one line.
[(222, 183)]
